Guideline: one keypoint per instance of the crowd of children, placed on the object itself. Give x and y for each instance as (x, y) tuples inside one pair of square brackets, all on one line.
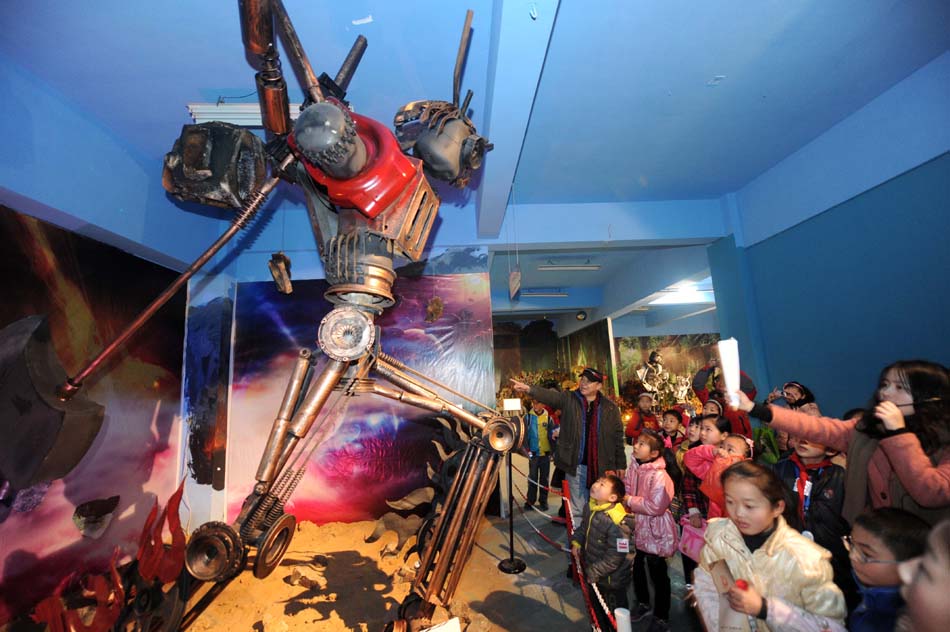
[(838, 524)]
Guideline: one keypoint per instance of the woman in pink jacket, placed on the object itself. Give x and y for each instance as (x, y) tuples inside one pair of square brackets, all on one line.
[(650, 491), (898, 452)]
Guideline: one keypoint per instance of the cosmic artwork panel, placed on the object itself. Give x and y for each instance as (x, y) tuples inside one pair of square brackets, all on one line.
[(366, 449), (89, 292)]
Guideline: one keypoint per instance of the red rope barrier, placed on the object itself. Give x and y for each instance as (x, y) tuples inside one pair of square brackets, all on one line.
[(559, 546), (546, 488), (524, 514)]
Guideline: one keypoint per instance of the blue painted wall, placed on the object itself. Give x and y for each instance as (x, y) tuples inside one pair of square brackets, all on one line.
[(63, 166), (899, 130), (861, 285), (736, 306)]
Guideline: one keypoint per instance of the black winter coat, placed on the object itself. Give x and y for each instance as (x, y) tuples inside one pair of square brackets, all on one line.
[(598, 535), (823, 518)]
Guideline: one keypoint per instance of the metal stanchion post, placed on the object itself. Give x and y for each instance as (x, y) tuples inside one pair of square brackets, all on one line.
[(512, 565)]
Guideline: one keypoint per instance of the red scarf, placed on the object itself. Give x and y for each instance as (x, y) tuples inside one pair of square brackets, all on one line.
[(802, 481), (593, 421)]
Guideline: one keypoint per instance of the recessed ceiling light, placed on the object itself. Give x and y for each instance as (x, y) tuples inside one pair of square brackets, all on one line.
[(550, 293), (575, 267), (684, 297)]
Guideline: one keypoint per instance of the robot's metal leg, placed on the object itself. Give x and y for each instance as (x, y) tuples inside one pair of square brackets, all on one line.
[(278, 438), (259, 511), (446, 550), (217, 550), (448, 547)]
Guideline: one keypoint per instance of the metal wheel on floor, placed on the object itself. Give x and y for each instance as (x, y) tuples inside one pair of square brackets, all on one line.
[(215, 552), (273, 544), (410, 607)]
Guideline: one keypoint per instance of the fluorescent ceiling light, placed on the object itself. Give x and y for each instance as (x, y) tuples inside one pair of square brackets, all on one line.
[(686, 293), (245, 114), (581, 267), (544, 294), (684, 296)]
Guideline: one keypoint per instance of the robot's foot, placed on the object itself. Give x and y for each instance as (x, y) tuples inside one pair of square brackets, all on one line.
[(215, 552), (273, 544)]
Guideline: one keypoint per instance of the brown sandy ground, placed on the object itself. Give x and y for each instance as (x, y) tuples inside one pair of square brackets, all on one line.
[(353, 588)]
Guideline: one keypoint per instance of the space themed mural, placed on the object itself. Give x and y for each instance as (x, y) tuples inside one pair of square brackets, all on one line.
[(364, 449), (87, 292)]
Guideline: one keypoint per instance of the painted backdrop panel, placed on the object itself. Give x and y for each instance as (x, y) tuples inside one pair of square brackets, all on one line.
[(90, 292), (380, 448), (589, 346)]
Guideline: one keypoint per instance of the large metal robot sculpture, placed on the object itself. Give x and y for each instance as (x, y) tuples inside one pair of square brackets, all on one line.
[(368, 202)]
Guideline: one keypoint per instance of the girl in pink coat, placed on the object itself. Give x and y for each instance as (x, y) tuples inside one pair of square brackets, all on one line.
[(650, 492), (898, 452)]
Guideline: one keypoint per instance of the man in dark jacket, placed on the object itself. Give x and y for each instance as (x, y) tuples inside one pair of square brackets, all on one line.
[(590, 443)]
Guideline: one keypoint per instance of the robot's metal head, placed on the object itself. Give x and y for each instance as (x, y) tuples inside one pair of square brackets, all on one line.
[(326, 136)]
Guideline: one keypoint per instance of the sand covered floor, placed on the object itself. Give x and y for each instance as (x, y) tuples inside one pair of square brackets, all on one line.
[(347, 585)]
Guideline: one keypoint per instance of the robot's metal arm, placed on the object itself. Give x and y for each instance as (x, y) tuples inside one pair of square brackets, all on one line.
[(501, 434), (257, 32)]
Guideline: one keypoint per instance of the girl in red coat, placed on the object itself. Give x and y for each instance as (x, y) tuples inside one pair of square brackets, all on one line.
[(714, 401)]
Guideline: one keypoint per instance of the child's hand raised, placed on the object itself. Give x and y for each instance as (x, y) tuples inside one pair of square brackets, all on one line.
[(745, 403), (744, 599)]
